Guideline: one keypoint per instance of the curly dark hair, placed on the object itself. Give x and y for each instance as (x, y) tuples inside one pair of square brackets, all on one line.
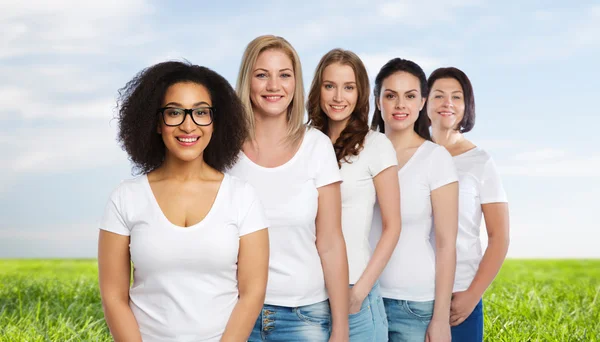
[(468, 121), (352, 138), (138, 106), (391, 67)]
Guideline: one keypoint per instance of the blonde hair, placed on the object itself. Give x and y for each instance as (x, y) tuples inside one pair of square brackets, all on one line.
[(295, 112)]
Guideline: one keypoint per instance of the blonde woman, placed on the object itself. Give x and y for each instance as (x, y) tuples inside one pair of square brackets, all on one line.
[(294, 170), (338, 105)]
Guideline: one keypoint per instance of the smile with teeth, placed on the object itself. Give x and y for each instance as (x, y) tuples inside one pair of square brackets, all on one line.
[(337, 108), (446, 113), (188, 140), (273, 97), (401, 115)]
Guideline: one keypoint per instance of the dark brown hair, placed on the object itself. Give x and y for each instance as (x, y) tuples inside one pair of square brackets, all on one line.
[(393, 66), (351, 140), (468, 120)]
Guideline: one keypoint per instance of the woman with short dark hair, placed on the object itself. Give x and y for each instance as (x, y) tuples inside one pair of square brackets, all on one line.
[(451, 109), (196, 236)]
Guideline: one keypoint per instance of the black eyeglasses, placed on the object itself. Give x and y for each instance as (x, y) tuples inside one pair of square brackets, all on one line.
[(202, 116)]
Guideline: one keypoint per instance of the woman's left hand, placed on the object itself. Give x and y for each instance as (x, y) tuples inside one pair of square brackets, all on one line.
[(462, 305)]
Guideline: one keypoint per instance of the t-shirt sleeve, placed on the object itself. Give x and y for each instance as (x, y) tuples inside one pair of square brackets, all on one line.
[(252, 216), (113, 219), (491, 189), (328, 170), (382, 156), (442, 170)]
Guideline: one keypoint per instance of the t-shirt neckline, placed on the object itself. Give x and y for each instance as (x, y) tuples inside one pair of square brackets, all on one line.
[(405, 166), (282, 166), (196, 225)]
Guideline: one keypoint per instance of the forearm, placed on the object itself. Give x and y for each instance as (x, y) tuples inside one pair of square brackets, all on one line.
[(243, 317), (490, 264), (335, 269), (445, 266), (381, 256), (121, 322)]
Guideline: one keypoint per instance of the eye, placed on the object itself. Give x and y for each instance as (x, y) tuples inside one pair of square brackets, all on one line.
[(328, 86), (173, 112), (411, 96), (457, 97), (350, 87), (438, 96), (390, 96), (261, 75), (286, 75), (202, 111)]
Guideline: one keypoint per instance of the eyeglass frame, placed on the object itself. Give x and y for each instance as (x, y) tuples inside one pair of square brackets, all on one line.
[(187, 112)]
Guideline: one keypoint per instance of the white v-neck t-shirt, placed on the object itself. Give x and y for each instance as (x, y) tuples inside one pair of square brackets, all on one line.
[(410, 273), (358, 197), (479, 183), (290, 197), (185, 279)]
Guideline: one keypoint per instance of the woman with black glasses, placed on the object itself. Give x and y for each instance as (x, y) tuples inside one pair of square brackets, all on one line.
[(196, 236)]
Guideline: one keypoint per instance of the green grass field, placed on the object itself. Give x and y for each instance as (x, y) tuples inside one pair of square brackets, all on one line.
[(58, 300)]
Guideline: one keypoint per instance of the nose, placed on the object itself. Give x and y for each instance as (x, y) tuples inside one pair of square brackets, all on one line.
[(400, 102), (337, 95), (273, 84), (188, 125), (448, 101)]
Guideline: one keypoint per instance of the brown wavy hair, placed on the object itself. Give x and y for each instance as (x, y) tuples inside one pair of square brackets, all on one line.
[(352, 139)]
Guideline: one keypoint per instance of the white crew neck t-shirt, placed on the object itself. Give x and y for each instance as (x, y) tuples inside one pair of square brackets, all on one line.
[(290, 198), (479, 183), (358, 198), (410, 273), (185, 279)]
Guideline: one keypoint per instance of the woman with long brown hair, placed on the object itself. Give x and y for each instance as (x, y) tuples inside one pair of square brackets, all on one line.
[(338, 105)]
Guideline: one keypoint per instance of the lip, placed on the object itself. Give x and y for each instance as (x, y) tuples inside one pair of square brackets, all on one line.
[(187, 143), (336, 110), (446, 113), (272, 98), (396, 116)]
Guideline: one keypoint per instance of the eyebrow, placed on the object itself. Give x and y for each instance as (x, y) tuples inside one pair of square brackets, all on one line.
[(180, 105), (395, 92), (441, 91), (334, 82), (265, 70)]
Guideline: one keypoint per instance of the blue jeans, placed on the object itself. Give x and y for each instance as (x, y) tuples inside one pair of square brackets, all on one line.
[(304, 323), (370, 323), (471, 329), (407, 320)]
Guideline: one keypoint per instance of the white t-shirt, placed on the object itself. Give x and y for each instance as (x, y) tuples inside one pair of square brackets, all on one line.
[(410, 273), (290, 197), (358, 198), (185, 279), (479, 183)]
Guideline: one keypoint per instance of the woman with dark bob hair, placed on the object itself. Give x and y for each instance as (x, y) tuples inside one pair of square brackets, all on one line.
[(451, 109), (195, 235), (338, 105), (416, 284)]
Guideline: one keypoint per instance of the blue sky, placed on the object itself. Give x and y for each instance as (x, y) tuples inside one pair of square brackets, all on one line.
[(533, 65)]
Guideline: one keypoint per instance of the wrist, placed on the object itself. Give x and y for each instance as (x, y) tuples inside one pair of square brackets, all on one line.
[(360, 291)]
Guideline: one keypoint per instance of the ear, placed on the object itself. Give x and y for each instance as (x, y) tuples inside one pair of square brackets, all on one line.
[(423, 100), (378, 103), (159, 127)]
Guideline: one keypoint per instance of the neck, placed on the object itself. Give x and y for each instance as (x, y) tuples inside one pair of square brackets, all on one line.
[(405, 138), (446, 137), (270, 130), (180, 170), (336, 128)]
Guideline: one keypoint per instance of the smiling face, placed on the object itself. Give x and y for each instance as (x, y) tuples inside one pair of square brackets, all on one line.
[(446, 104), (273, 83), (400, 101), (339, 92), (187, 141)]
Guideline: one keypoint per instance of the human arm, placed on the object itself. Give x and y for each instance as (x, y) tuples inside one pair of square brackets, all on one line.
[(332, 251), (253, 267), (388, 197), (444, 202), (497, 226), (114, 272)]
